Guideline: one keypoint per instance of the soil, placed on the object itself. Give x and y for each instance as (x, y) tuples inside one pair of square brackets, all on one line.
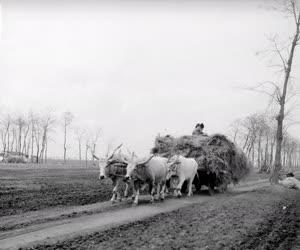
[(37, 203), (23, 190), (268, 218), (28, 188)]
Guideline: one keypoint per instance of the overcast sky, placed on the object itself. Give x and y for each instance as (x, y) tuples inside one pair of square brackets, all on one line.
[(138, 68)]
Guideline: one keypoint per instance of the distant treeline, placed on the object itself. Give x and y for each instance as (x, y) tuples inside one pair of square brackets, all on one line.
[(256, 136), (29, 135)]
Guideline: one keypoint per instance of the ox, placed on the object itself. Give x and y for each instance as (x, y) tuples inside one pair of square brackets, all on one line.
[(114, 168), (185, 169), (151, 172)]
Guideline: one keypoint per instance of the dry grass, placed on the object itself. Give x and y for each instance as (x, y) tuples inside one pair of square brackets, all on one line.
[(215, 154)]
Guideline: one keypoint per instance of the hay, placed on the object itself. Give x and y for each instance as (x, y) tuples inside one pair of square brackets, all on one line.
[(214, 154)]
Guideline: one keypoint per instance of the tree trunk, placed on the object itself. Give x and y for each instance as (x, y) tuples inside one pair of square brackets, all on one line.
[(246, 141), (266, 160), (46, 150), (86, 153), (25, 139), (272, 150), (44, 139), (280, 117), (32, 140), (8, 141), (65, 142), (253, 150), (20, 139), (259, 152), (79, 149), (28, 146)]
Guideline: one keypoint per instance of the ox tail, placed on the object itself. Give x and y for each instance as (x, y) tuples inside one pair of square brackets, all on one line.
[(197, 175)]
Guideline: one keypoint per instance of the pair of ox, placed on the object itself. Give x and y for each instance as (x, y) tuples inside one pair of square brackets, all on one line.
[(156, 170), (153, 171)]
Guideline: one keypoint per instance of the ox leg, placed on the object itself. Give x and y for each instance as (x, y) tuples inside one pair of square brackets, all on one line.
[(115, 190), (174, 184), (113, 198), (178, 189), (168, 186), (158, 191), (134, 188), (119, 198), (136, 199), (126, 190), (152, 192), (162, 192), (119, 180), (190, 193), (133, 195), (136, 193)]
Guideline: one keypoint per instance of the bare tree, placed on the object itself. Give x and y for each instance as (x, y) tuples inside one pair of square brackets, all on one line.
[(67, 119), (33, 123), (257, 134), (234, 129), (87, 147), (47, 122), (37, 137), (5, 129), (25, 144), (287, 61), (79, 135), (279, 91)]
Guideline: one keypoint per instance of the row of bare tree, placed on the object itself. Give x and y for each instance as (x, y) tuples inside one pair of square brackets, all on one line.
[(29, 135), (256, 136)]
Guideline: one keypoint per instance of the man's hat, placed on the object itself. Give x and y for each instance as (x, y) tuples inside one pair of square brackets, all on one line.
[(201, 125)]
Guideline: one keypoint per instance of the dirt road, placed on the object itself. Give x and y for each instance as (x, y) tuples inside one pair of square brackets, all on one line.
[(263, 219), (57, 230)]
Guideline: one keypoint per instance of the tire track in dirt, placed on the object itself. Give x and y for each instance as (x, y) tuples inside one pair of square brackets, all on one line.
[(227, 223), (86, 224), (13, 222)]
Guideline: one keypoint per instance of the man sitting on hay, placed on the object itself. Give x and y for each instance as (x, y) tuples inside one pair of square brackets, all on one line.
[(198, 130)]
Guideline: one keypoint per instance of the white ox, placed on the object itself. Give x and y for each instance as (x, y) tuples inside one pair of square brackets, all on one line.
[(185, 169), (152, 171)]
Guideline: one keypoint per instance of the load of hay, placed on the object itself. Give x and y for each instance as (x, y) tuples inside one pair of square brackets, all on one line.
[(215, 155)]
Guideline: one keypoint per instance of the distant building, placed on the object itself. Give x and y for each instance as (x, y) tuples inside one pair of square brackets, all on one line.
[(13, 157)]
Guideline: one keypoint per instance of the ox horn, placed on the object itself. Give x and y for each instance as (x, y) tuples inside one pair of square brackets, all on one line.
[(95, 157), (115, 150), (146, 161)]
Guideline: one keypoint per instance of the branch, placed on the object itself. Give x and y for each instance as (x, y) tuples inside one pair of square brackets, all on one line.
[(294, 12), (280, 55)]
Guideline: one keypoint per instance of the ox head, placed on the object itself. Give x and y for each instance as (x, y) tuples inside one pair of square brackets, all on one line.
[(172, 166), (103, 163), (133, 164)]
